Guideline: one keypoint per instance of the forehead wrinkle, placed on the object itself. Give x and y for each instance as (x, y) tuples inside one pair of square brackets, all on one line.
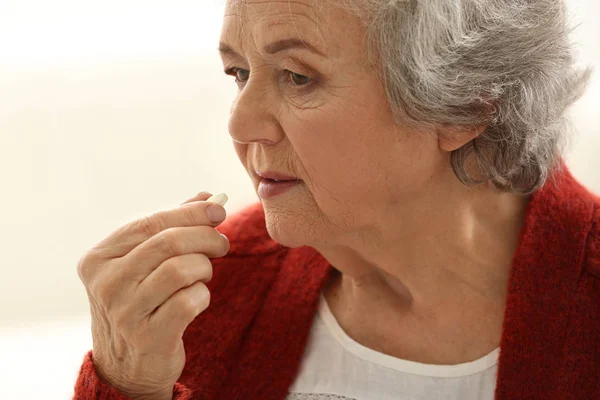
[(290, 13), (250, 5), (257, 23), (265, 26), (292, 18), (292, 22), (288, 2), (254, 5)]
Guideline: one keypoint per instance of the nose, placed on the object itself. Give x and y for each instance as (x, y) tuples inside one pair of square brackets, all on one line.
[(252, 119)]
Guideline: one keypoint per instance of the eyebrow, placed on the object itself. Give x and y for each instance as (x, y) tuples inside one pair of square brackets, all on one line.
[(275, 47)]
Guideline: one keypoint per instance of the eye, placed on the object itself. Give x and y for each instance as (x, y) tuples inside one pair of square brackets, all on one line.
[(241, 75), (297, 79)]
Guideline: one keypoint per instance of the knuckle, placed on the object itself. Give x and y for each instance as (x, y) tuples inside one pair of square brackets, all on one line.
[(151, 225), (188, 306), (204, 299), (168, 242), (84, 265), (201, 297), (82, 269), (196, 300), (175, 273), (189, 215)]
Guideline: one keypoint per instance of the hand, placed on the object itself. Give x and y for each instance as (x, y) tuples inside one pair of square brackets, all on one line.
[(146, 283)]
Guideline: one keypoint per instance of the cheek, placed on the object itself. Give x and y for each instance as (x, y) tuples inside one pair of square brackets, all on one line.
[(331, 151), (355, 159), (343, 163)]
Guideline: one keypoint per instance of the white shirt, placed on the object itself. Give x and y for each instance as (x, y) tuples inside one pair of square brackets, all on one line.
[(335, 367)]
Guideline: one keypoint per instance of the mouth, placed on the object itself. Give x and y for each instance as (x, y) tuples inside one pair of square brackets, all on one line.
[(280, 180), (273, 184), (276, 176)]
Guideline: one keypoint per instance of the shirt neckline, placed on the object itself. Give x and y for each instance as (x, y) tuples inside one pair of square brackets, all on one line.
[(410, 367)]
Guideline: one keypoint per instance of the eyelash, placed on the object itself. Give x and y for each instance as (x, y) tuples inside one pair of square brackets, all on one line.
[(234, 72)]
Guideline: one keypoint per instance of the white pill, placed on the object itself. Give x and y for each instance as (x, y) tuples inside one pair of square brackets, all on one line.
[(220, 198)]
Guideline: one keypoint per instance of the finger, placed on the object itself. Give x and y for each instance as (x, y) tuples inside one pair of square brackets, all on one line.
[(172, 275), (149, 255), (202, 196), (129, 236), (171, 318)]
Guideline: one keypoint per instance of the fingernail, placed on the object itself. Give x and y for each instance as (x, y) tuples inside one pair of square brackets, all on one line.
[(215, 213), (227, 241)]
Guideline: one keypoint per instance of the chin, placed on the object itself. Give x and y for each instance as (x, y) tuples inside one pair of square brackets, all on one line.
[(285, 229), (291, 228)]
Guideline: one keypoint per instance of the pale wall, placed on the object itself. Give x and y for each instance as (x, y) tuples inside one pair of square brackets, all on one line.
[(111, 113)]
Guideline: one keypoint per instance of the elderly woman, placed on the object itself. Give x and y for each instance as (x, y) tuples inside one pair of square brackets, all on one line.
[(418, 235)]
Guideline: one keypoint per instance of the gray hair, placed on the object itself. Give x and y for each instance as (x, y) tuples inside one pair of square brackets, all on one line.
[(506, 65)]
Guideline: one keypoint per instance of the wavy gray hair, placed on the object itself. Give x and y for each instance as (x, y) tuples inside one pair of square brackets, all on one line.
[(507, 65)]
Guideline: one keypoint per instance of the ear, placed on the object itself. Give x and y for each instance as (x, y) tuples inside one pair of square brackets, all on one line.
[(453, 137)]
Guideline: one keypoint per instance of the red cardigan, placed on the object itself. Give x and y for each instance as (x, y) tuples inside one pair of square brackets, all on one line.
[(249, 343)]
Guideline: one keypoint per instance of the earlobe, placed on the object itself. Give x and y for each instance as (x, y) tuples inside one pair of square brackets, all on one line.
[(452, 138)]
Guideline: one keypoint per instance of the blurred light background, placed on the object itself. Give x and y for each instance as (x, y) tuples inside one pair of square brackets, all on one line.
[(111, 110)]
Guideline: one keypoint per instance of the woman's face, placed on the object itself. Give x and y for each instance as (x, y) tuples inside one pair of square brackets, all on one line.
[(310, 106)]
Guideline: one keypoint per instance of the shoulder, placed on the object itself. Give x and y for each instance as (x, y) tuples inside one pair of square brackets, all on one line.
[(567, 215), (593, 242), (579, 194), (576, 193)]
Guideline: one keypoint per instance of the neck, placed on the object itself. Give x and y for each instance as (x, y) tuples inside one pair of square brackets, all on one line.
[(442, 264)]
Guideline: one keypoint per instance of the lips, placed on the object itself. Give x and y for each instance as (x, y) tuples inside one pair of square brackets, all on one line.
[(273, 184), (276, 176), (280, 180)]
